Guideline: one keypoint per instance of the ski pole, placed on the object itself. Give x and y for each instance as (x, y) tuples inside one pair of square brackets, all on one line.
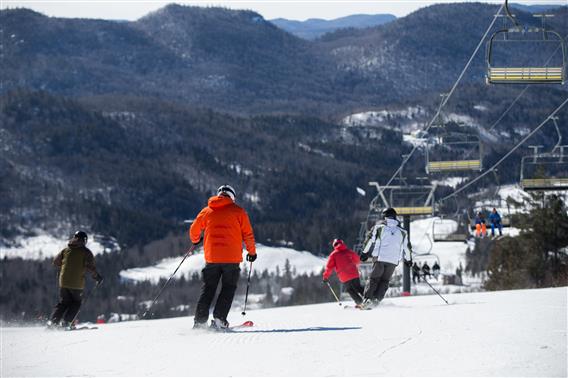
[(333, 292), (84, 301), (189, 252), (247, 292), (436, 291)]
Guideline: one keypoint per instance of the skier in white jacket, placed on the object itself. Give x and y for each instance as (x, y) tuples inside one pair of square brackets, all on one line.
[(388, 243)]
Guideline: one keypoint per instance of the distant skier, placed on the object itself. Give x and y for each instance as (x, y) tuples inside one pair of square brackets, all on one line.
[(426, 270), (225, 227), (73, 261), (495, 220), (480, 227), (388, 244), (345, 262), (415, 272), (436, 270)]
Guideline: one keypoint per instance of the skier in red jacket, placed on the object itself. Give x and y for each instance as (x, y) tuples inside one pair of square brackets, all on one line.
[(344, 261)]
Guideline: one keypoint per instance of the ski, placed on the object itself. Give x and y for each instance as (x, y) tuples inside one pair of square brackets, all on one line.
[(362, 308), (80, 328), (76, 328), (248, 323), (245, 324)]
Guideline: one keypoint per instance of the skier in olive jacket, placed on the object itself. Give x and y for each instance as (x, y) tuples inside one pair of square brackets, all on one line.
[(73, 262)]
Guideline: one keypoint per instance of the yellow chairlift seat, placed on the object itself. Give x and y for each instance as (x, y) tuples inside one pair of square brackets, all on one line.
[(454, 165), (414, 210), (552, 183), (526, 75)]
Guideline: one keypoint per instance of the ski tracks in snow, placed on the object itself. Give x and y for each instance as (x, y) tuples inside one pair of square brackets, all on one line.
[(399, 344)]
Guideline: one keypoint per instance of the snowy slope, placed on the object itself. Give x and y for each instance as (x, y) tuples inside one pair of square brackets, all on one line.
[(509, 333), (268, 258)]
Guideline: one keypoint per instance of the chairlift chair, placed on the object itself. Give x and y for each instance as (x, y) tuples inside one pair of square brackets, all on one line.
[(454, 152), (545, 171), (541, 68), (407, 200), (457, 231)]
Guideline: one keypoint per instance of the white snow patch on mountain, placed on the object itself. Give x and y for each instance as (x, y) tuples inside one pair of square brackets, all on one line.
[(44, 245), (268, 258), (414, 140), (462, 118), (452, 182), (506, 333), (374, 118)]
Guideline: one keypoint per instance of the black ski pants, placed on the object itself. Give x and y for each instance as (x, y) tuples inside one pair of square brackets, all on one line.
[(355, 290), (228, 274), (378, 283), (68, 306), (415, 275)]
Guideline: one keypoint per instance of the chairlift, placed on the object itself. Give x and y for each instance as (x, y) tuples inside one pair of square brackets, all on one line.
[(545, 171), (526, 55), (450, 229), (490, 199), (453, 149), (407, 200)]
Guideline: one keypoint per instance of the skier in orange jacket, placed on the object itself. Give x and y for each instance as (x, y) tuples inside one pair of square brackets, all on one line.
[(225, 226)]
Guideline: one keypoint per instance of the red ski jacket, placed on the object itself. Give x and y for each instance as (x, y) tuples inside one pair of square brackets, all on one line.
[(344, 261)]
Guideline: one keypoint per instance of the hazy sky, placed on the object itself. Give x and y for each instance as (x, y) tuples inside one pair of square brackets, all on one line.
[(269, 9)]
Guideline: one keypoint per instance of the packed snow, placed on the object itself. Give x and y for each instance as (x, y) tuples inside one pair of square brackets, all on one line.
[(507, 333), (44, 245), (269, 258)]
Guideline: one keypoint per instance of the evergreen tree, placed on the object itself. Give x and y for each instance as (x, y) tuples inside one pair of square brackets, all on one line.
[(538, 257)]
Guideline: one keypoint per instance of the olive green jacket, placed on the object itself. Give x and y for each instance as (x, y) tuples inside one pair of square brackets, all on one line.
[(74, 261)]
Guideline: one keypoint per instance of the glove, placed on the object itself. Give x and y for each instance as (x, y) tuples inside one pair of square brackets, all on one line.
[(408, 263), (250, 257), (196, 244), (364, 257), (98, 278)]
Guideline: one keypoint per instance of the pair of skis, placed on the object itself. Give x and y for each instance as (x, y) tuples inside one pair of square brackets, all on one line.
[(78, 327)]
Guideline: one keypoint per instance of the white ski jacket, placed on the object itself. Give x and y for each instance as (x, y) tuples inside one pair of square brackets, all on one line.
[(390, 242)]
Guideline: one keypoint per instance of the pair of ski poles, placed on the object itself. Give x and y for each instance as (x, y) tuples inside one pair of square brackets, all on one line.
[(187, 254), (338, 301)]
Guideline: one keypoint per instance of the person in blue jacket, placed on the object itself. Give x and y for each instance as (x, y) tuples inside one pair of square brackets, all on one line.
[(495, 220)]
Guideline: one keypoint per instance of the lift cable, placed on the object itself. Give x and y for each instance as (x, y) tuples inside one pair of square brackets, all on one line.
[(447, 97), (553, 114)]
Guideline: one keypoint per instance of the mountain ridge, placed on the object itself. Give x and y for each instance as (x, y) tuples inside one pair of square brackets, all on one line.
[(313, 28)]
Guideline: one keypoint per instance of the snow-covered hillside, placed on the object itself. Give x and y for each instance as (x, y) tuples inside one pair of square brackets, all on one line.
[(509, 333), (44, 245), (269, 258)]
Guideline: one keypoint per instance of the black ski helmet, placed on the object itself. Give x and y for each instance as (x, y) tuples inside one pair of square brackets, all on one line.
[(389, 213), (227, 190), (81, 235)]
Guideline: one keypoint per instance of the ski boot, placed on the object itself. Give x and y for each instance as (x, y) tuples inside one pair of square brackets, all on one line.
[(219, 325), (198, 326), (51, 325)]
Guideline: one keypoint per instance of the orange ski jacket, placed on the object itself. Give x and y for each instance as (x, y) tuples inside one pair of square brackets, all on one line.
[(225, 226)]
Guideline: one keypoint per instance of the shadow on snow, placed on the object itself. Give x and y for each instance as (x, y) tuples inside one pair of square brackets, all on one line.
[(309, 329)]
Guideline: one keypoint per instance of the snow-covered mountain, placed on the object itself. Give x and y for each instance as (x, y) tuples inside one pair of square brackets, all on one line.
[(508, 333)]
